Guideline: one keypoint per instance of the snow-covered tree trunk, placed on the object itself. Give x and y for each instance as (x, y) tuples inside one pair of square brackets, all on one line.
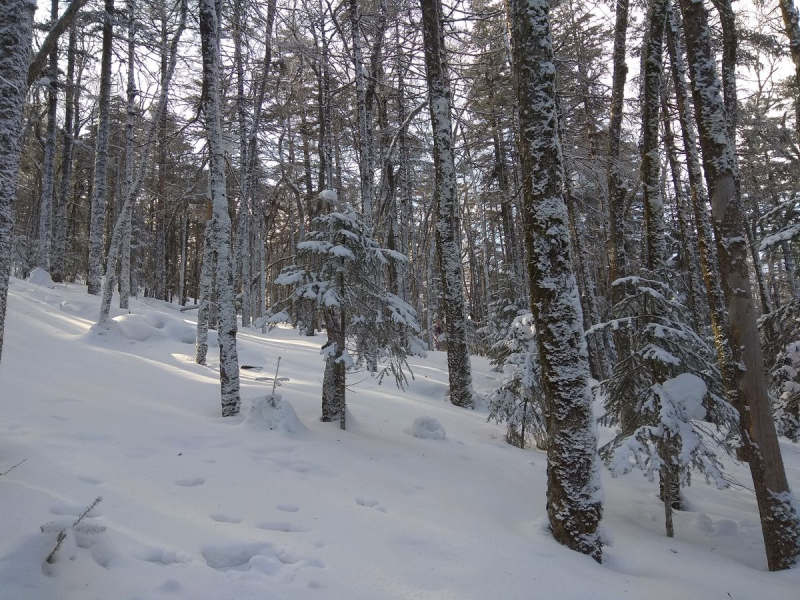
[(652, 58), (574, 490), (204, 299), (72, 95), (49, 162), (130, 124), (791, 23), (686, 233), (16, 27), (183, 257), (779, 521), (100, 183), (364, 120), (220, 221), (446, 204), (618, 262), (705, 236)]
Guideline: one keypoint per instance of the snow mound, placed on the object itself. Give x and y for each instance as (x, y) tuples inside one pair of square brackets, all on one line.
[(273, 413), (40, 277), (427, 428)]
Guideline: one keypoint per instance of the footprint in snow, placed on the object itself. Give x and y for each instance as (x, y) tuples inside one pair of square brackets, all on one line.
[(222, 518), (368, 503), (190, 481), (90, 480), (288, 507), (284, 526)]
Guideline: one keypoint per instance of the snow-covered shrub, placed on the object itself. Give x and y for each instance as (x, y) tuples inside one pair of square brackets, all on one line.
[(342, 270), (780, 331), (427, 428), (518, 400), (666, 397), (274, 413)]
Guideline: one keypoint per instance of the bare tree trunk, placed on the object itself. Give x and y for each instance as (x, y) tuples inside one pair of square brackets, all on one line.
[(15, 48), (220, 221), (573, 490), (446, 202), (779, 520), (100, 183)]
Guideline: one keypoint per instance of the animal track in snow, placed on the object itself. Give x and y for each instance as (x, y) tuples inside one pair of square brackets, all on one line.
[(288, 507), (90, 480), (190, 481), (284, 526), (222, 518), (369, 503), (162, 556)]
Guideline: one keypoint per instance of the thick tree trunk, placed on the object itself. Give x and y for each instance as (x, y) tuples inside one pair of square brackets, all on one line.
[(15, 48), (574, 490), (220, 221), (100, 183), (446, 202), (779, 520), (791, 22)]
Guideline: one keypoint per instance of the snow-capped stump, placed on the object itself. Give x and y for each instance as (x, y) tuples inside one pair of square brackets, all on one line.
[(274, 413), (427, 428)]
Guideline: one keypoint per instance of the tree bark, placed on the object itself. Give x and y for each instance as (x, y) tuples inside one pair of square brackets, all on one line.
[(573, 490), (15, 49), (220, 221), (779, 521), (446, 203), (100, 183)]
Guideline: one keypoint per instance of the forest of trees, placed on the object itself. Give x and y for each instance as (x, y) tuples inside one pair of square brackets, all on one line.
[(579, 190)]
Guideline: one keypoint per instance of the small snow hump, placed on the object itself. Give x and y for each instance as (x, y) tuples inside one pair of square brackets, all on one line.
[(427, 428), (274, 413), (41, 277)]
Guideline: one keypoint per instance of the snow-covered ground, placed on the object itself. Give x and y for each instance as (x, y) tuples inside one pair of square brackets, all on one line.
[(204, 508)]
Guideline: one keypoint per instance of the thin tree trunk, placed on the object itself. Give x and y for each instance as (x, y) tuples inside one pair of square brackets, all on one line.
[(70, 117), (220, 222), (100, 183), (446, 202), (49, 162)]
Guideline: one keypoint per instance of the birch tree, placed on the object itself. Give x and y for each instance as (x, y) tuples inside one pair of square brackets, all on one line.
[(220, 229), (100, 183)]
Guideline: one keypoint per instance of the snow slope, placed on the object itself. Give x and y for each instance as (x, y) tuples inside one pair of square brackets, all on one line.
[(204, 508)]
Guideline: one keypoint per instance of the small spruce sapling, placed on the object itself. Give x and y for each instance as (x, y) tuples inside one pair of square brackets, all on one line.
[(518, 401), (342, 270), (671, 385), (67, 532)]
